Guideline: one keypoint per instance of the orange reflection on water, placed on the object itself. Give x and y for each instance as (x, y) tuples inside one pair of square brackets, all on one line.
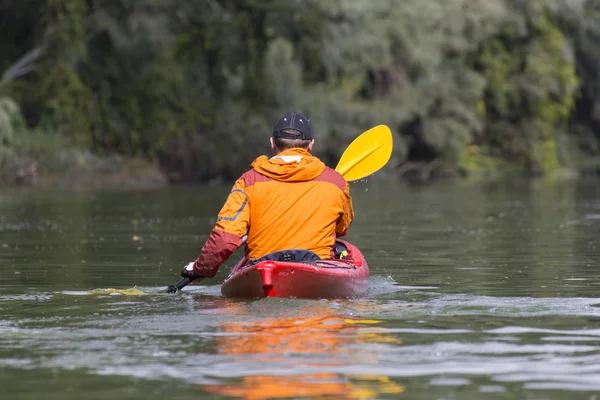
[(324, 337), (288, 335), (316, 386)]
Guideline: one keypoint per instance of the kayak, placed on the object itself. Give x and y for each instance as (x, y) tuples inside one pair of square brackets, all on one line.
[(314, 279)]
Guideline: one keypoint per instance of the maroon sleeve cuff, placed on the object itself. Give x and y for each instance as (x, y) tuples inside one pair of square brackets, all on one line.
[(217, 249)]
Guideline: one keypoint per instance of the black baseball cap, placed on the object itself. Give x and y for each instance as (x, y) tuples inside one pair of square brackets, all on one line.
[(297, 121)]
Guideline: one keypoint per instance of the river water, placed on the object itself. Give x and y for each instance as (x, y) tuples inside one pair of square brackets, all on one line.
[(477, 291)]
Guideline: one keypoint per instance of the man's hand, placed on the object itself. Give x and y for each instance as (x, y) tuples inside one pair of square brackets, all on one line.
[(188, 271)]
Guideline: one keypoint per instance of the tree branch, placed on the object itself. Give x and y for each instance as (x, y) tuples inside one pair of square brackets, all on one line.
[(23, 65)]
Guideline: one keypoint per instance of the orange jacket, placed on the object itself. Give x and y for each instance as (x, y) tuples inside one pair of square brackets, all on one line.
[(290, 201)]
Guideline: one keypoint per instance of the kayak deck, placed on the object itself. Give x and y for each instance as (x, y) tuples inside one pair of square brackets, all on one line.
[(345, 278)]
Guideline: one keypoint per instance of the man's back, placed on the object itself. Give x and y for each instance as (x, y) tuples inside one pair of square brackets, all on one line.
[(295, 202)]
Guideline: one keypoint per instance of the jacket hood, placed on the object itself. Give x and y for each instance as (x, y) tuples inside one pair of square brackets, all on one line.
[(292, 165)]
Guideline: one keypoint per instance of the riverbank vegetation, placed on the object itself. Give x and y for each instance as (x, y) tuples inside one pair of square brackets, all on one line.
[(188, 91)]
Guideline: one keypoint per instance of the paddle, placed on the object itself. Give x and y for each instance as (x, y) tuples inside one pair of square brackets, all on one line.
[(366, 155)]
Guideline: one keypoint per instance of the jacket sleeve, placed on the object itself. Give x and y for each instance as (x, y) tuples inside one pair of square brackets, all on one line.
[(347, 216), (227, 235)]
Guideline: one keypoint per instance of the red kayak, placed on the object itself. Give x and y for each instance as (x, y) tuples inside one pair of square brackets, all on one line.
[(315, 279)]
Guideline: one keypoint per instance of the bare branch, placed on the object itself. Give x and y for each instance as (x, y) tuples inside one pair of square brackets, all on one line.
[(23, 65)]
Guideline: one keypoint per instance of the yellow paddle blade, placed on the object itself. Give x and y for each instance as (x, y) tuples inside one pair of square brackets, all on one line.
[(366, 154)]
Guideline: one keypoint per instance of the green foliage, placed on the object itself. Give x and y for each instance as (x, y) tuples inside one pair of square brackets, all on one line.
[(10, 120), (473, 162), (198, 85), (531, 84)]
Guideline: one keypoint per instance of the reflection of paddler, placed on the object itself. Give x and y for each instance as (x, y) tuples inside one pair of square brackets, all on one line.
[(328, 335), (319, 330), (277, 335), (330, 386), (300, 335)]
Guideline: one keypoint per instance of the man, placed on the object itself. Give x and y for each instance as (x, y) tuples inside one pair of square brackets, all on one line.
[(291, 201)]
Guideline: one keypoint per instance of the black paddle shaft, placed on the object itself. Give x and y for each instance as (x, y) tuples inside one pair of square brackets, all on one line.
[(179, 285)]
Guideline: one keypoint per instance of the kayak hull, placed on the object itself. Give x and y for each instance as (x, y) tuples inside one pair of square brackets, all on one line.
[(320, 279)]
